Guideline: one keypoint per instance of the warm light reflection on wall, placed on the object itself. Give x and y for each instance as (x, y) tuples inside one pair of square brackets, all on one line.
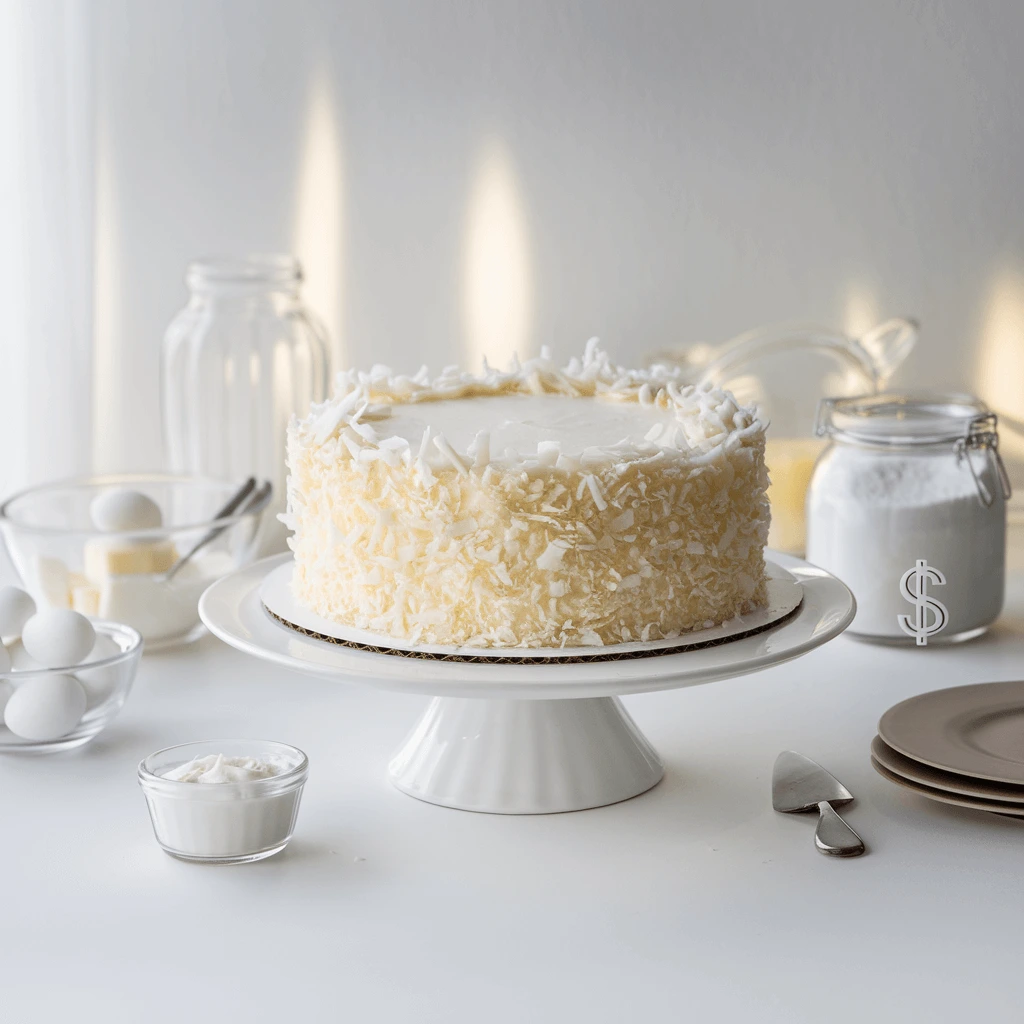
[(318, 240), (106, 384), (860, 314), (497, 295), (1000, 371), (860, 309)]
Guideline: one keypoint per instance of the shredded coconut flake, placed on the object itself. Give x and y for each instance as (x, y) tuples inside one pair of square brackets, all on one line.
[(595, 492)]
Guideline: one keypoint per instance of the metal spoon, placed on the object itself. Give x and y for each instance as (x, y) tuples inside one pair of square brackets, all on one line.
[(247, 496)]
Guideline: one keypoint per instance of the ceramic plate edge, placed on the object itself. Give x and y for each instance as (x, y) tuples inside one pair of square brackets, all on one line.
[(233, 590), (901, 748), (940, 796), (883, 753)]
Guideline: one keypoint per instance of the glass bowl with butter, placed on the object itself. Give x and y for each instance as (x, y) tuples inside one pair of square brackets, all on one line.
[(113, 547), (224, 801)]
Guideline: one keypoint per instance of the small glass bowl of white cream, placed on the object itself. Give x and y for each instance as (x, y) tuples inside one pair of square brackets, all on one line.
[(224, 801)]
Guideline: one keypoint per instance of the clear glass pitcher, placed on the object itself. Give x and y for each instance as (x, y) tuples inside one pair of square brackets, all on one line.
[(238, 361), (785, 371)]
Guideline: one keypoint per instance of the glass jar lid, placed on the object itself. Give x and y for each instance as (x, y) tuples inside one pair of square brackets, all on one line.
[(267, 271), (901, 420), (913, 421)]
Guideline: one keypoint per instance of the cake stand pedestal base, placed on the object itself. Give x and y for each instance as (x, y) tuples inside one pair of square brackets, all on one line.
[(525, 756)]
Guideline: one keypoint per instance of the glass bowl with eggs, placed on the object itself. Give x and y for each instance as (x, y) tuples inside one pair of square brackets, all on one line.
[(137, 549), (63, 678)]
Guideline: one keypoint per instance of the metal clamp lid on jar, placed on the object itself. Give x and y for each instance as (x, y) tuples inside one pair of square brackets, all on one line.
[(982, 435), (913, 421)]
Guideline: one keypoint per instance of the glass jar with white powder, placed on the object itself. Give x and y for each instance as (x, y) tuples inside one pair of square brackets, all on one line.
[(907, 506)]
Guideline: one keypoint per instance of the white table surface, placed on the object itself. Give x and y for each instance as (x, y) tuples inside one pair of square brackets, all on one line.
[(693, 902)]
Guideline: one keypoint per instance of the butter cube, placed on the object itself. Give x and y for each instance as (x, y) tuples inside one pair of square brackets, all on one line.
[(105, 558), (85, 598), (50, 581)]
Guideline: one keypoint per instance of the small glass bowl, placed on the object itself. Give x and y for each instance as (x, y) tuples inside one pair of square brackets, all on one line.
[(106, 679), (223, 822), (64, 561)]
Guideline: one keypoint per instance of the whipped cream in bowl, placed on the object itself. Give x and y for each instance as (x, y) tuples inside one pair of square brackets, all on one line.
[(219, 768), (224, 801)]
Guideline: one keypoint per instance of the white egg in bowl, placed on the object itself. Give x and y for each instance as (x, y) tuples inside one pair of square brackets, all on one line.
[(49, 708)]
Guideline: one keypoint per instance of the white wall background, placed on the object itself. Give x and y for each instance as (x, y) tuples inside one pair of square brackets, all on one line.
[(466, 176)]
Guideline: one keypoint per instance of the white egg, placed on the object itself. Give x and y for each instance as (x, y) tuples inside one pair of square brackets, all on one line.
[(16, 608), (5, 659), (58, 637), (20, 660), (121, 510), (6, 689), (100, 683), (104, 647), (45, 708)]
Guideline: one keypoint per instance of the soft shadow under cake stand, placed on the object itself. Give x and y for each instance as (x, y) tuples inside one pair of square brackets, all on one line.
[(547, 735)]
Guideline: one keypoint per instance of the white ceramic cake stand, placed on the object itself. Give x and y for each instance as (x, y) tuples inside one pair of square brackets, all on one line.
[(525, 739)]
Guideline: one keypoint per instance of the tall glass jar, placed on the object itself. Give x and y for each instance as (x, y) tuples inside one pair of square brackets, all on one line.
[(907, 506), (238, 361)]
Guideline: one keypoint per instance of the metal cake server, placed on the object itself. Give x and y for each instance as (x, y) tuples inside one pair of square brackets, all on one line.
[(799, 785)]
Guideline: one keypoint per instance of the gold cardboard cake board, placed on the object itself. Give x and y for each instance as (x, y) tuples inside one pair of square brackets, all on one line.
[(518, 659), (784, 597)]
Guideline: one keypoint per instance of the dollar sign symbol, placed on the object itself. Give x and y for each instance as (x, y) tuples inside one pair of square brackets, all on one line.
[(914, 588)]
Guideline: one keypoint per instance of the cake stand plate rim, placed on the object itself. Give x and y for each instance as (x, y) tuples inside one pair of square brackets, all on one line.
[(232, 610)]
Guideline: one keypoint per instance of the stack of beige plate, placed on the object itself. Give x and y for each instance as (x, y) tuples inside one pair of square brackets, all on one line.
[(962, 746)]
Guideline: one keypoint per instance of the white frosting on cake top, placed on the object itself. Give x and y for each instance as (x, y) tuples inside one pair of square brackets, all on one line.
[(523, 422), (526, 416)]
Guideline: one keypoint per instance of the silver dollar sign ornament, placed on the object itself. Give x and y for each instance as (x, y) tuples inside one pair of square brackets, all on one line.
[(914, 587)]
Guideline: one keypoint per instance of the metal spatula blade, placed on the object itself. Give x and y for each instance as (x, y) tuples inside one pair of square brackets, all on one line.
[(800, 785)]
